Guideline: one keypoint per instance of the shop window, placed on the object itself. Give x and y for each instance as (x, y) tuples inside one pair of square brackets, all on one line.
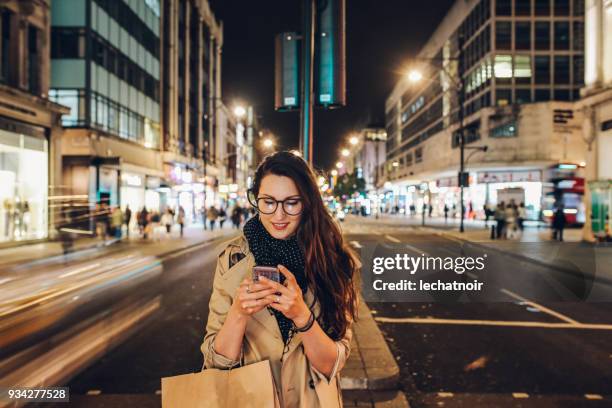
[(542, 35), (523, 36), (503, 7), (522, 7), (542, 69), (562, 35), (503, 97), (522, 69), (523, 96), (542, 7), (503, 35), (562, 7), (23, 187), (505, 130), (542, 95), (562, 69)]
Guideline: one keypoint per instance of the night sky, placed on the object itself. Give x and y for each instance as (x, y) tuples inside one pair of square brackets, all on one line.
[(381, 36)]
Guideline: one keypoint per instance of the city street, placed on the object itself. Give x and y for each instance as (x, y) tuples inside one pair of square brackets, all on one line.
[(505, 353)]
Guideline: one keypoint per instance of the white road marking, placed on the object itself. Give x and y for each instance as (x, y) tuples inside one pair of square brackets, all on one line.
[(520, 395), (356, 244), (392, 239), (502, 323), (445, 394), (471, 275), (94, 392), (593, 396), (538, 306)]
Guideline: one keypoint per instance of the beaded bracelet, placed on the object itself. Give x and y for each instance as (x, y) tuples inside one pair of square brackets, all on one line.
[(308, 325)]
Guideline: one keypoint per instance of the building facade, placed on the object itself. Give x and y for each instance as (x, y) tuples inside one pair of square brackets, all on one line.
[(191, 100), (30, 127), (520, 61), (106, 68), (597, 126)]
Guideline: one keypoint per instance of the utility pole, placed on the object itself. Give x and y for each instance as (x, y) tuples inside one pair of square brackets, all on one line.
[(306, 112), (461, 133)]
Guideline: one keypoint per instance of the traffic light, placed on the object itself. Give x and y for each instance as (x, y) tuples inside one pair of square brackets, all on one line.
[(287, 72), (330, 54)]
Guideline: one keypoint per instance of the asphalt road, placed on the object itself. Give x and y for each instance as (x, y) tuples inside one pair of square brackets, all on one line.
[(510, 351)]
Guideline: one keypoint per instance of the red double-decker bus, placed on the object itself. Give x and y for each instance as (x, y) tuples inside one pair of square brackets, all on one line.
[(564, 184)]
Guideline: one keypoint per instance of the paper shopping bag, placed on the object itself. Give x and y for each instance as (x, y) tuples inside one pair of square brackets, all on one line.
[(248, 386)]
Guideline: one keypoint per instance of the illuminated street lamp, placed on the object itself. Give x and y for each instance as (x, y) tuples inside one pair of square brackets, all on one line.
[(354, 140), (268, 143), (334, 172), (415, 76), (339, 165), (345, 152), (239, 111)]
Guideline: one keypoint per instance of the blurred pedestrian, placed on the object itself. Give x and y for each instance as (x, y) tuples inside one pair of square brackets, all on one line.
[(487, 213), (430, 210), (143, 222), (127, 217), (236, 216), (167, 220), (212, 215), (522, 216), (222, 217), (500, 219), (558, 223), (180, 219), (511, 213), (116, 222), (446, 209)]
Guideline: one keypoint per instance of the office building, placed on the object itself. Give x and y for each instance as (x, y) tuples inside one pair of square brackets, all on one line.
[(522, 65), (30, 126)]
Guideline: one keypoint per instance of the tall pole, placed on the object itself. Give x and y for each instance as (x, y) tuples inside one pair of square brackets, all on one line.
[(306, 114), (461, 135)]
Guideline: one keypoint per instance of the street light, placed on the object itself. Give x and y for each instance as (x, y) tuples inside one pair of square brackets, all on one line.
[(354, 140), (334, 172), (339, 165), (268, 143), (415, 76), (345, 152), (239, 111)]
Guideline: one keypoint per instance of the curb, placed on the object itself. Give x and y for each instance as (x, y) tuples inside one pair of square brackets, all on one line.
[(517, 255), (371, 365), (375, 399)]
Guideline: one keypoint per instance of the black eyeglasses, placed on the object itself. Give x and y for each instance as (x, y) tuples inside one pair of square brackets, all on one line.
[(268, 205)]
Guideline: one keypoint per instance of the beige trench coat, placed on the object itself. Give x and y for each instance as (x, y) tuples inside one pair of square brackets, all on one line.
[(298, 383)]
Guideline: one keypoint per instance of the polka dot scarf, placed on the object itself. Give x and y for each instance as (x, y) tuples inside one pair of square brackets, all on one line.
[(269, 251)]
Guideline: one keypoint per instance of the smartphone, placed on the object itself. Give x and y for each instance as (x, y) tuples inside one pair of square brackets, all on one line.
[(269, 272)]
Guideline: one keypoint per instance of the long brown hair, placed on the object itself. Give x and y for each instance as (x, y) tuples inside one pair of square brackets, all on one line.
[(330, 264)]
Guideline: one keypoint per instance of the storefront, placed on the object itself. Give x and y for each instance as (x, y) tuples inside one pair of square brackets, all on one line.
[(24, 180)]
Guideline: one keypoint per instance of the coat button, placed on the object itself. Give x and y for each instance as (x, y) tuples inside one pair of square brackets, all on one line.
[(311, 384)]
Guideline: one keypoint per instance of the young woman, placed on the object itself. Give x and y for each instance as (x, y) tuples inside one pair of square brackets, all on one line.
[(302, 325)]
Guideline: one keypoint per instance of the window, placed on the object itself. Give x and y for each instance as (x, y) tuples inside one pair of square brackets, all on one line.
[(562, 95), (503, 7), (522, 69), (562, 7), (75, 100), (505, 130), (542, 7), (562, 35), (578, 37), (542, 35), (522, 7), (542, 69), (579, 7), (562, 69), (542, 95), (503, 35), (523, 95), (418, 154), (503, 97), (578, 70), (33, 60), (503, 66), (523, 36), (5, 33), (67, 43)]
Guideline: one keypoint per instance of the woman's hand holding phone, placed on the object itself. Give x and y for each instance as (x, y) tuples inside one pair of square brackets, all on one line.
[(252, 297), (287, 298)]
